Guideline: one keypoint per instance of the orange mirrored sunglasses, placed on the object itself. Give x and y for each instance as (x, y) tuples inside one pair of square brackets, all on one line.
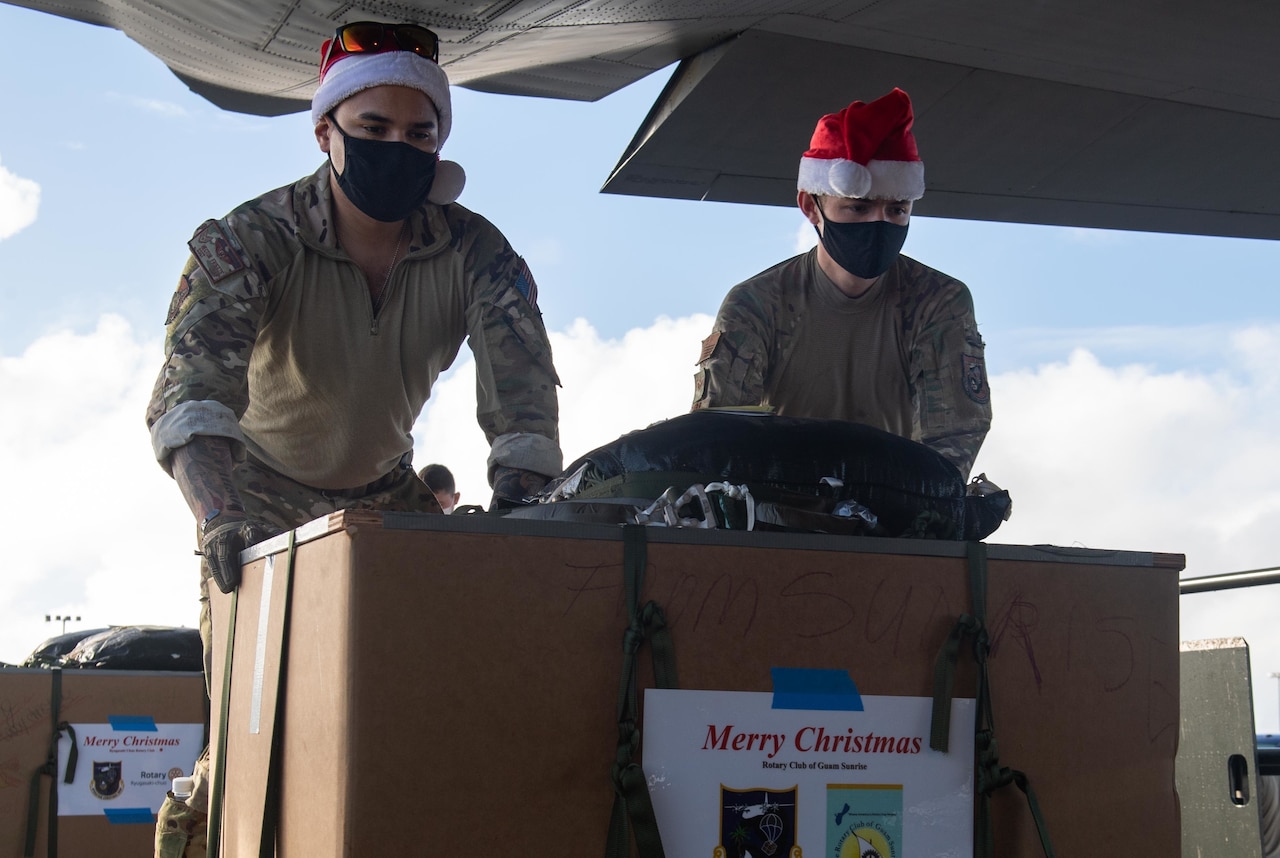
[(374, 37)]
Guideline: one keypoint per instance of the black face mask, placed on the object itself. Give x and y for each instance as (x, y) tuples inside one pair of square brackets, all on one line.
[(866, 249), (384, 179)]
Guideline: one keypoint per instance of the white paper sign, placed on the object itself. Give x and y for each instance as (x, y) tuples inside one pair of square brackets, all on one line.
[(730, 777), (125, 767)]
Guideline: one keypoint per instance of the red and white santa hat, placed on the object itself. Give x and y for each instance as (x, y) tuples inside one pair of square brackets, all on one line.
[(865, 151), (355, 73)]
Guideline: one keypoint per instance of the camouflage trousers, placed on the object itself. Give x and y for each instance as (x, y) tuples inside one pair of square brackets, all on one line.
[(277, 500)]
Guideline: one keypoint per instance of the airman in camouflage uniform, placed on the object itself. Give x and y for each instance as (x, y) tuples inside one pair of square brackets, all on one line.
[(852, 329), (310, 324), (932, 362), (282, 351)]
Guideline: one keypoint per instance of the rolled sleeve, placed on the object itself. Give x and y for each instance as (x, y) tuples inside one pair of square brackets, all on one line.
[(177, 427), (526, 451)]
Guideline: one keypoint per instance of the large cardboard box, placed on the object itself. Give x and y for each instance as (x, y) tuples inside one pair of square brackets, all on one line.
[(452, 682), (100, 704)]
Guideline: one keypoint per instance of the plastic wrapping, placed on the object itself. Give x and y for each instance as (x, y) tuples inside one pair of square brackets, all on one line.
[(806, 465), (51, 652), (138, 648)]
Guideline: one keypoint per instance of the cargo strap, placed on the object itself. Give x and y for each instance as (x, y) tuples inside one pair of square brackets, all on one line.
[(632, 809), (50, 768), (990, 774), (213, 843), (271, 800)]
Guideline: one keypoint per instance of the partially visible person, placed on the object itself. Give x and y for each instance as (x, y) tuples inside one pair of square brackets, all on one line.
[(852, 329), (440, 480), (310, 324)]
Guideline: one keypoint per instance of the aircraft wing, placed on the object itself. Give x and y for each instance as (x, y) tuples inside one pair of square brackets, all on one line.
[(1159, 115)]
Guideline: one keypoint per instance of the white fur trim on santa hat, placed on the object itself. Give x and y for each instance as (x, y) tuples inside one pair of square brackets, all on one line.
[(878, 180), (896, 180), (836, 177), (359, 72)]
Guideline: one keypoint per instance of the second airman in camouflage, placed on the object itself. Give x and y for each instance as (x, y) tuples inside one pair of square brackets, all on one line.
[(853, 330)]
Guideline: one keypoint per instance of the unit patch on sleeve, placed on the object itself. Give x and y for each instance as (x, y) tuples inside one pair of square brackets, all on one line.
[(975, 380), (215, 252), (700, 388), (180, 296)]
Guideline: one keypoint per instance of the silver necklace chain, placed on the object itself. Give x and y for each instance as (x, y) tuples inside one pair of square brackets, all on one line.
[(386, 281)]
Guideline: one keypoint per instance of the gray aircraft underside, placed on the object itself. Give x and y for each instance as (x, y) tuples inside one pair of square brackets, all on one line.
[(1160, 115)]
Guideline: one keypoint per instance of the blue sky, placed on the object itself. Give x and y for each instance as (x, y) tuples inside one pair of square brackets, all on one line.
[(1134, 375), (128, 161)]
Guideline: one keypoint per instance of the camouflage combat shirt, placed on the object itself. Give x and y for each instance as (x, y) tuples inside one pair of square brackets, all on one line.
[(905, 357), (274, 341)]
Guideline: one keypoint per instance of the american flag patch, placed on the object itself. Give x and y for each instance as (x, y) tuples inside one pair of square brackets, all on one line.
[(525, 284), (709, 346)]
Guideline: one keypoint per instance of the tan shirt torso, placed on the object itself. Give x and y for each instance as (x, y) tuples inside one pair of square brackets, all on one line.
[(847, 362)]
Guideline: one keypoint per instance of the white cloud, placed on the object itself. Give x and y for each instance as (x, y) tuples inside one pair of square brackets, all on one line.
[(608, 387), (19, 203), (1184, 461), (96, 528), (806, 237), (1104, 456)]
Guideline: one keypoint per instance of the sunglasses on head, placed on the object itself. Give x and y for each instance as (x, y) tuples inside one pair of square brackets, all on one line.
[(373, 37)]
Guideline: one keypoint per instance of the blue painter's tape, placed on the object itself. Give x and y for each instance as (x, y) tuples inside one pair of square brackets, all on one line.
[(132, 723), (131, 816), (829, 690)]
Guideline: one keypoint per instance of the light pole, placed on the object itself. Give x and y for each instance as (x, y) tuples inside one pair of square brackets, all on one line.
[(59, 618)]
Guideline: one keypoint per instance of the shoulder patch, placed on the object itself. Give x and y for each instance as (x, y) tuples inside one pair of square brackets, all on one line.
[(700, 389), (525, 284), (179, 298), (975, 379), (709, 346), (214, 251)]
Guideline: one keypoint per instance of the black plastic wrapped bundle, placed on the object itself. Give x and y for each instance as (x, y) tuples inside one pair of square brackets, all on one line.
[(139, 648), (913, 490), (51, 652)]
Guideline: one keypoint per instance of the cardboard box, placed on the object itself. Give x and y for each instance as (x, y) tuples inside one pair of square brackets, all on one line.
[(118, 702), (452, 681)]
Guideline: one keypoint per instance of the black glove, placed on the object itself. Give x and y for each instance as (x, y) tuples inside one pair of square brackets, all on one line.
[(221, 546)]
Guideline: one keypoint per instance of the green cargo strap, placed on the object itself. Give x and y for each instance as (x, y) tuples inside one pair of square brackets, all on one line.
[(944, 680), (271, 801), (632, 808), (990, 775), (50, 768), (944, 669), (213, 843)]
